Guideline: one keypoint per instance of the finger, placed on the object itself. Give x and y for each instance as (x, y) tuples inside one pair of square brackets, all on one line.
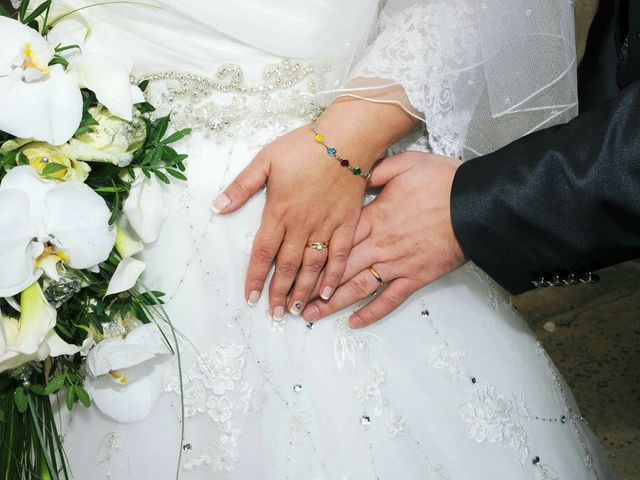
[(287, 266), (263, 253), (242, 188), (361, 257), (339, 249), (364, 227), (391, 167), (313, 261), (389, 299), (359, 287)]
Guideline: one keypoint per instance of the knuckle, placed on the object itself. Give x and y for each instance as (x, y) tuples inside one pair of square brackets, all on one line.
[(286, 269), (313, 267), (263, 255), (360, 287), (340, 255)]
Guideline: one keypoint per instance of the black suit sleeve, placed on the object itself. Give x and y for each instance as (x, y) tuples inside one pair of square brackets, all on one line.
[(555, 203)]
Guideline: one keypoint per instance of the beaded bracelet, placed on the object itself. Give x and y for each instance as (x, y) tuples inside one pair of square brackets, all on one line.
[(332, 152)]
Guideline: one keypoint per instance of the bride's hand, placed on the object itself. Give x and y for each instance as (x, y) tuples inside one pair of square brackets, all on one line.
[(311, 198)]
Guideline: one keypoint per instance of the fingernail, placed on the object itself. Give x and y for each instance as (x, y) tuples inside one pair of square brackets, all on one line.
[(355, 322), (311, 313), (296, 308), (326, 293), (254, 296), (278, 314), (220, 203)]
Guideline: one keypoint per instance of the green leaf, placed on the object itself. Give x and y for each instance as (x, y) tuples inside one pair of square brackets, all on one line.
[(39, 10), (38, 389), (20, 399), (52, 168), (55, 384), (179, 135), (58, 60), (161, 176), (176, 174), (67, 47), (4, 12), (23, 159), (71, 397), (161, 128), (143, 85), (24, 5), (83, 396), (145, 107)]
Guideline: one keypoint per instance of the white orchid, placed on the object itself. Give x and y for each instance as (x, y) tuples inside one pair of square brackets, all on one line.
[(43, 101), (127, 376), (36, 100), (43, 222), (100, 65), (31, 337)]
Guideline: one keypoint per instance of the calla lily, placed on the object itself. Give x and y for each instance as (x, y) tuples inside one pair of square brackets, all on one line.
[(145, 207), (126, 275), (31, 337), (125, 244), (41, 217), (127, 376), (36, 100), (100, 65)]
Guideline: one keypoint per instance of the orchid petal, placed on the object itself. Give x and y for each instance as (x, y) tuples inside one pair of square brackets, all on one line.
[(141, 345), (142, 361), (108, 79), (137, 95), (36, 320), (78, 218), (49, 110), (58, 347), (17, 252), (133, 401), (126, 275), (145, 208), (27, 180), (13, 303), (13, 36)]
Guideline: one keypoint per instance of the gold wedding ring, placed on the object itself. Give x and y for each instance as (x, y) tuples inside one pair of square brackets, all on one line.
[(376, 275), (317, 245)]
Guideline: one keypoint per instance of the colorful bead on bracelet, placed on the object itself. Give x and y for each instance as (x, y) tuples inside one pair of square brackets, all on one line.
[(332, 152)]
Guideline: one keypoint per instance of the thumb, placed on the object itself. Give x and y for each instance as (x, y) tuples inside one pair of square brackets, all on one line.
[(391, 167), (242, 188)]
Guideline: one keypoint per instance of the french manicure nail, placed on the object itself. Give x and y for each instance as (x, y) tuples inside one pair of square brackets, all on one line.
[(296, 308), (326, 293), (278, 314), (220, 203), (311, 313), (254, 296)]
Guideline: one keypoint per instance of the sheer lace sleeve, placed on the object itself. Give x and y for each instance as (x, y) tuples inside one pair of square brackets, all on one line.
[(478, 74)]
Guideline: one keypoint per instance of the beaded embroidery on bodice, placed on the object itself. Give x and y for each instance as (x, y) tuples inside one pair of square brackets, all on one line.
[(225, 106)]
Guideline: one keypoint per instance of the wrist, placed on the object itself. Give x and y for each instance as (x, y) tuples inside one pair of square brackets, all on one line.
[(363, 131)]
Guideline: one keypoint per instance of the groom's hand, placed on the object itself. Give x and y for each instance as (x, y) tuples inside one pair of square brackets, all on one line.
[(405, 235)]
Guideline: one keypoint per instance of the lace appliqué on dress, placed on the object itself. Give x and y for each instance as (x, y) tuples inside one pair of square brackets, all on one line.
[(209, 387), (349, 342), (451, 361), (492, 417)]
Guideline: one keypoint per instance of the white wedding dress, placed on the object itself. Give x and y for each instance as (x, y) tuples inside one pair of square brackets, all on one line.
[(453, 385)]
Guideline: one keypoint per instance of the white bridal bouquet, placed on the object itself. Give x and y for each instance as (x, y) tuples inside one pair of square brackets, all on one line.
[(81, 166)]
